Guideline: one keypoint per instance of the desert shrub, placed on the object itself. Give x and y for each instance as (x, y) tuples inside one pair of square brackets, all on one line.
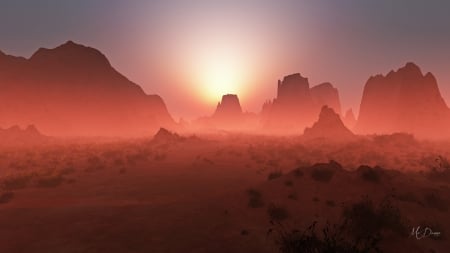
[(274, 175), (433, 200), (277, 213), (244, 232), (50, 181), (255, 198), (330, 203), (160, 157), (366, 219), (15, 182), (6, 197), (67, 170), (369, 174), (322, 173), (288, 183), (440, 171), (298, 172), (333, 239), (293, 196)]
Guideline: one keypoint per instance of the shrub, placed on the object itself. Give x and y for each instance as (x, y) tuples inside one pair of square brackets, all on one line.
[(255, 198), (322, 174), (434, 201), (333, 239), (274, 175), (365, 219), (298, 172), (330, 203), (50, 181), (6, 197), (369, 174), (277, 213), (293, 196), (15, 182), (288, 183)]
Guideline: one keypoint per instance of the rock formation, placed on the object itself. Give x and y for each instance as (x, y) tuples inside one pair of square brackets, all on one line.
[(163, 136), (229, 109), (296, 105), (329, 127), (74, 90), (404, 101), (349, 119), (326, 94), (18, 136)]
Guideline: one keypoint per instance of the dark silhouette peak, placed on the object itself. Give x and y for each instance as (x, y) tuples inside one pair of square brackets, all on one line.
[(164, 135), (325, 85), (293, 77), (32, 129), (410, 66), (329, 126), (327, 113), (326, 94), (70, 53), (229, 106), (403, 101)]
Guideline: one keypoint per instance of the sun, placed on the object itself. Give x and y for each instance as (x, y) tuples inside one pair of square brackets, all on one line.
[(217, 71), (220, 78)]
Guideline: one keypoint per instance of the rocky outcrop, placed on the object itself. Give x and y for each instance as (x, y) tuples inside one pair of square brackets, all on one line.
[(404, 101), (326, 94), (17, 136), (229, 109), (73, 90), (329, 127), (297, 105), (349, 119)]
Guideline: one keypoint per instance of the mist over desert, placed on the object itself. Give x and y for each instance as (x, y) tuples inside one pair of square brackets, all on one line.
[(91, 161)]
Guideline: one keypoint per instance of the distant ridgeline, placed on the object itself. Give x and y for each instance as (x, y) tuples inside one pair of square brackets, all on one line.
[(73, 90)]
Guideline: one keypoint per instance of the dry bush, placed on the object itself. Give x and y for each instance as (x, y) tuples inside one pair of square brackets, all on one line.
[(274, 175), (333, 239), (366, 219), (16, 181), (277, 213), (6, 197), (255, 198), (369, 174), (324, 172)]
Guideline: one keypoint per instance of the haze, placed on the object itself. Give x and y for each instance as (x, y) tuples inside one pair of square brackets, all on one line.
[(193, 52)]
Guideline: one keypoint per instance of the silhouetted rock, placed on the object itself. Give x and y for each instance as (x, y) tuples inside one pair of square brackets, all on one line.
[(164, 135), (404, 101), (349, 119), (74, 90), (17, 136), (296, 105), (329, 127), (326, 94), (229, 108)]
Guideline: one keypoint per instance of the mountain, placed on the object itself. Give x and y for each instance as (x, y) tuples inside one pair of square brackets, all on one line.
[(404, 101), (326, 94), (73, 90), (229, 109), (349, 119), (329, 127), (297, 105), (228, 116), (18, 136)]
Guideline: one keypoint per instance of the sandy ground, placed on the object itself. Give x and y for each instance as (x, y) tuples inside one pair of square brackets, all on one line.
[(192, 195)]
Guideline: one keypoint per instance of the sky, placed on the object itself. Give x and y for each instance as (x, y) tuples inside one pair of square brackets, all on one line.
[(192, 52)]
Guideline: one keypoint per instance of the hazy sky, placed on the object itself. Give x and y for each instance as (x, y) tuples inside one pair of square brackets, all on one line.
[(190, 52)]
